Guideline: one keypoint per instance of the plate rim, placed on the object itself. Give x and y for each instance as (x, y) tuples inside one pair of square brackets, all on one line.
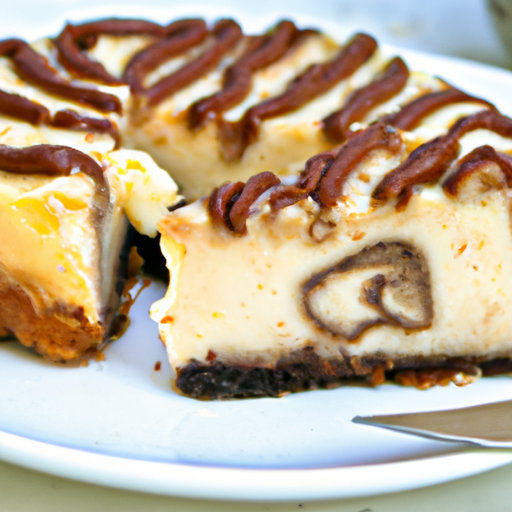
[(261, 485), (245, 484)]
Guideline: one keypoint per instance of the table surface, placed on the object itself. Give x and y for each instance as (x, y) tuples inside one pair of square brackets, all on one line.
[(460, 28)]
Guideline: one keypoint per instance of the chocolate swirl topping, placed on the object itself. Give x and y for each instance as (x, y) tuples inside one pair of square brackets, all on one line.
[(74, 39), (430, 161), (377, 136), (18, 107), (230, 204), (221, 201), (325, 174), (34, 68), (225, 34), (474, 161), (255, 186), (166, 42), (14, 105), (360, 102), (317, 80), (322, 179), (410, 115), (181, 36)]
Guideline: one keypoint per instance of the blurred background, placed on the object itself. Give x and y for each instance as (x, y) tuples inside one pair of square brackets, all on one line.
[(460, 28)]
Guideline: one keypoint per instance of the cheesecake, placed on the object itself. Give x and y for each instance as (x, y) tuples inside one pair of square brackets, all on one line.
[(68, 196), (211, 103), (90, 117), (388, 257)]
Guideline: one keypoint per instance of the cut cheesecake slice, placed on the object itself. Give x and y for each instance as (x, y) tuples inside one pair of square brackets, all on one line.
[(67, 196), (390, 256), (65, 217), (63, 257)]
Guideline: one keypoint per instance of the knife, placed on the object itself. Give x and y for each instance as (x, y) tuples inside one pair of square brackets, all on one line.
[(488, 425)]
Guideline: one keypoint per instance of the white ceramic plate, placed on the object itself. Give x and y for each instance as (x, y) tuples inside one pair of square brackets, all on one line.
[(119, 423)]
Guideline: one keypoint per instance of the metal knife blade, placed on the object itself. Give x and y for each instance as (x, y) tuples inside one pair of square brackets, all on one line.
[(488, 425)]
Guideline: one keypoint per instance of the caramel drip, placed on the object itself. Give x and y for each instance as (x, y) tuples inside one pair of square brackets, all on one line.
[(181, 36), (53, 160), (237, 79), (377, 136), (472, 162), (34, 69), (226, 33), (389, 83), (410, 115), (74, 39), (429, 162), (315, 81)]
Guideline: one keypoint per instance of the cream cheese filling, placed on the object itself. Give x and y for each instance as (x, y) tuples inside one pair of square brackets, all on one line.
[(243, 297)]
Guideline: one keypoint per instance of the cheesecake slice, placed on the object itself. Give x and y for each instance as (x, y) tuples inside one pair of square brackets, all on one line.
[(390, 256), (68, 194), (63, 260)]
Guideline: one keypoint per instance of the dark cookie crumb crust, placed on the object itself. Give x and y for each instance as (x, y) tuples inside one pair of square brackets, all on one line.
[(305, 369)]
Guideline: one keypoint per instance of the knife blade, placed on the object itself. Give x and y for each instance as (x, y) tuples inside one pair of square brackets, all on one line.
[(487, 425)]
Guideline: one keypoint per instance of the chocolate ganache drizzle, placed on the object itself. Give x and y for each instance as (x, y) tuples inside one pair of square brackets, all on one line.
[(35, 69), (325, 174), (203, 49)]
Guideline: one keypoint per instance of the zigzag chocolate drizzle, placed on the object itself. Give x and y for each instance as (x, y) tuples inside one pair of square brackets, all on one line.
[(226, 33), (325, 174), (181, 36), (175, 39), (238, 77), (255, 186), (316, 80), (221, 201), (34, 68), (69, 120), (410, 115), (388, 84), (18, 107), (322, 179), (474, 161), (377, 136), (71, 42), (430, 161)]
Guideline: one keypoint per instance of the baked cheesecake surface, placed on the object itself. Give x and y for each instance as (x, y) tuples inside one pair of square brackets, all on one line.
[(347, 264), (213, 104), (390, 254)]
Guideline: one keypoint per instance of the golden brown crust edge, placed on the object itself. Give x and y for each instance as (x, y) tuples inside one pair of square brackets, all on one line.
[(60, 334)]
